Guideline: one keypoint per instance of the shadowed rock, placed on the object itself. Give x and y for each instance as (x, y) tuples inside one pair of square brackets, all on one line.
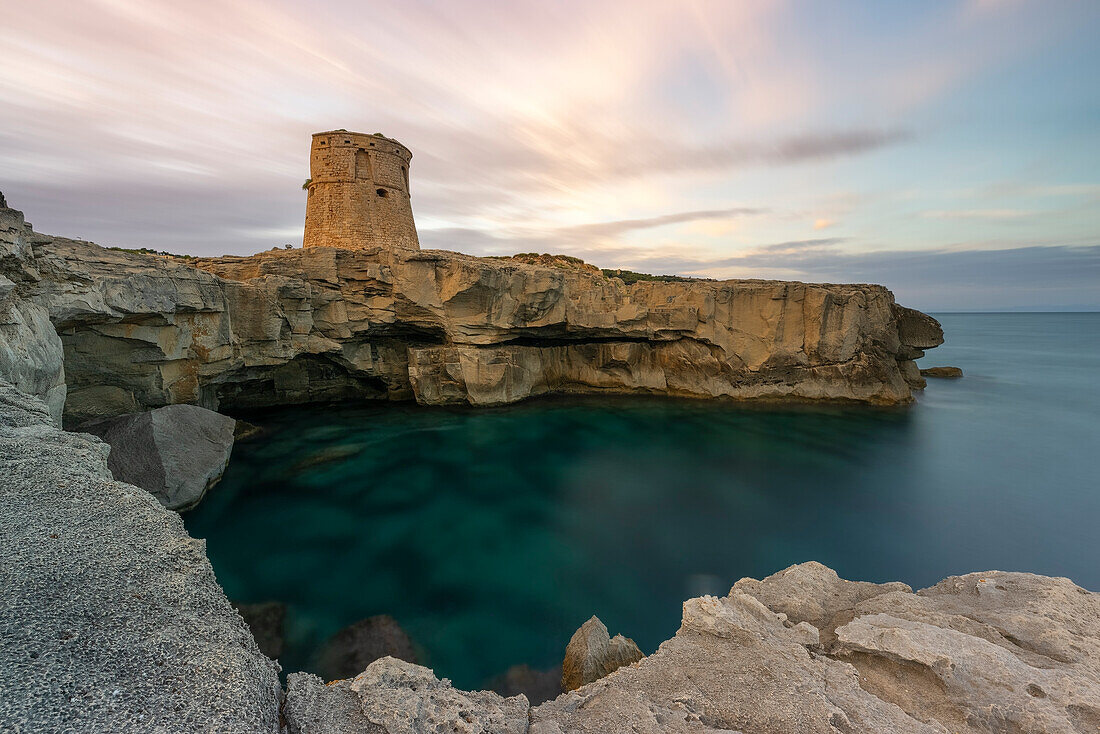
[(176, 452), (943, 372), (918, 330), (352, 649), (537, 685), (592, 653), (266, 622)]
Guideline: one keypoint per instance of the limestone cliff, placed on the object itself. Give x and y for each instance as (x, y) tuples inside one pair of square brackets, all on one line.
[(291, 326)]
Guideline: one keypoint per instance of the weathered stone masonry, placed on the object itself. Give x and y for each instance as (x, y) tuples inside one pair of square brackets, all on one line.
[(359, 193)]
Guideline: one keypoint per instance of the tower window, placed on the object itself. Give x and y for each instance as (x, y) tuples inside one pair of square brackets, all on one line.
[(382, 193)]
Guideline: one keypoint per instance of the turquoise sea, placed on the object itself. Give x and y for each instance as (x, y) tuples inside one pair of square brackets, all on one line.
[(491, 535)]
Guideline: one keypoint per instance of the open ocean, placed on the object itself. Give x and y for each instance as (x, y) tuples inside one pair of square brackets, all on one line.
[(491, 535)]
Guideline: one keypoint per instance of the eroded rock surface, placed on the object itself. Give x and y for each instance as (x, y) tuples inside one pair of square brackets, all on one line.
[(537, 685), (806, 651), (592, 653), (395, 697), (110, 617)]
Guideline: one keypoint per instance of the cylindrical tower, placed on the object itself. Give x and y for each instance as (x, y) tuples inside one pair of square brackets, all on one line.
[(359, 193)]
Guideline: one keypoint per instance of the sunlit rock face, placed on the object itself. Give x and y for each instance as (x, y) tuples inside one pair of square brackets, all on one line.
[(296, 326)]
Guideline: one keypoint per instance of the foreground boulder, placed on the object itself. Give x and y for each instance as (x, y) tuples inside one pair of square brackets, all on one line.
[(176, 452), (356, 646), (110, 617), (592, 653)]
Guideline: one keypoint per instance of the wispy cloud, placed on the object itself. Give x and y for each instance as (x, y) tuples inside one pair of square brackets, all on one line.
[(616, 130), (991, 214)]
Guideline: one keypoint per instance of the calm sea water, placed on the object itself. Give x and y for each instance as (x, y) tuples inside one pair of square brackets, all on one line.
[(491, 535)]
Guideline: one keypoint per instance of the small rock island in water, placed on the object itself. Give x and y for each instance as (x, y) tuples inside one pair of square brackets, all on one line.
[(111, 619)]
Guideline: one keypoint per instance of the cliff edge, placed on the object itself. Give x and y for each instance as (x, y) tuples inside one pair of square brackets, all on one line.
[(292, 326)]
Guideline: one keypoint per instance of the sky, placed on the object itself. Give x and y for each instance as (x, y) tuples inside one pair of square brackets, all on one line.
[(948, 150)]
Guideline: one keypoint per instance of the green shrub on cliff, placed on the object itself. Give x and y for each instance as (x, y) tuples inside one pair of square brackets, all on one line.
[(629, 276)]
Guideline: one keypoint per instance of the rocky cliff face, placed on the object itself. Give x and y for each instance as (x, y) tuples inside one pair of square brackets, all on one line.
[(111, 619), (141, 331), (31, 355)]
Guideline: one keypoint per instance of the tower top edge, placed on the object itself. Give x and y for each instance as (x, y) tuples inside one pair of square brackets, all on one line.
[(361, 136)]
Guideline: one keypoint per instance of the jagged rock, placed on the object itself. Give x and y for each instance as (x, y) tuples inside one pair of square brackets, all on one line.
[(31, 353), (537, 685), (948, 372), (911, 373), (977, 653), (110, 615), (592, 653), (176, 452), (352, 649), (265, 620), (395, 697), (814, 593), (917, 330)]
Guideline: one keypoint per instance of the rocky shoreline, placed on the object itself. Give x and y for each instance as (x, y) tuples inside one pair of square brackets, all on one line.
[(140, 331), (111, 618), (112, 621)]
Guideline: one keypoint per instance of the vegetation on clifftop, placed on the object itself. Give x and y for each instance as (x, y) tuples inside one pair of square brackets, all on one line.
[(568, 262), (629, 276), (147, 251)]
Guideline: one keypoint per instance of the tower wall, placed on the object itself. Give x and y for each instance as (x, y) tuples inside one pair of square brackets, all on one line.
[(359, 193)]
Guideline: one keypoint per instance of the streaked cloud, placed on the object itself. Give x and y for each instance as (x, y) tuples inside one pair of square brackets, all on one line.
[(991, 214), (621, 131)]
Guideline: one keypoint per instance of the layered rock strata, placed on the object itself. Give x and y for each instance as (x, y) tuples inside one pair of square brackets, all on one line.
[(290, 326)]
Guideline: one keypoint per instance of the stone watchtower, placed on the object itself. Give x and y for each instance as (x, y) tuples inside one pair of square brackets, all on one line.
[(359, 193)]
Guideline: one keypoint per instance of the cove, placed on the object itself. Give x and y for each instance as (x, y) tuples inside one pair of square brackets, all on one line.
[(492, 534)]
